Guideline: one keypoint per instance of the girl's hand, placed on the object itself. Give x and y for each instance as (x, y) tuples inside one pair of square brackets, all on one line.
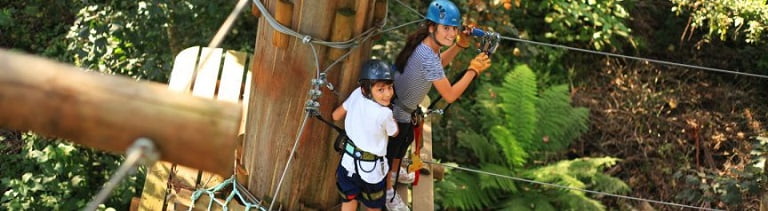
[(463, 38), (480, 63)]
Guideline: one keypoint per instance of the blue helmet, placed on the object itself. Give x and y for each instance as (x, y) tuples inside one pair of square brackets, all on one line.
[(375, 69), (444, 12)]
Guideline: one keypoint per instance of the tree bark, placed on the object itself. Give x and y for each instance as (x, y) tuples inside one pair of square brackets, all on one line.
[(281, 81)]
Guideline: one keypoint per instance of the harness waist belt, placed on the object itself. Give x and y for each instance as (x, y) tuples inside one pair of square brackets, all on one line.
[(359, 154)]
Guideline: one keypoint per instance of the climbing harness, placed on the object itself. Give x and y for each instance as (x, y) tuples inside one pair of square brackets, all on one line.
[(343, 145)]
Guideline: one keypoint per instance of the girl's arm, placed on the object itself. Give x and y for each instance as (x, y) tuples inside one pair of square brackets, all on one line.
[(448, 55), (452, 92)]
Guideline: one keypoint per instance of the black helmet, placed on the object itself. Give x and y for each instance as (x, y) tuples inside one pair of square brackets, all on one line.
[(375, 69)]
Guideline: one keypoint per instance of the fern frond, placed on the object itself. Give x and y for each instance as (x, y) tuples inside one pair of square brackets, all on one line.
[(513, 149), (577, 200), (608, 184), (532, 201), (487, 151), (518, 104), (489, 181), (461, 190), (560, 122)]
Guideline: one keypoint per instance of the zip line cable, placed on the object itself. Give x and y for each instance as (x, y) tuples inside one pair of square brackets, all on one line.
[(411, 9), (636, 58), (570, 188)]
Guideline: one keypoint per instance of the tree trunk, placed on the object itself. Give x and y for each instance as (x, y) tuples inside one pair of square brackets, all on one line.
[(281, 81)]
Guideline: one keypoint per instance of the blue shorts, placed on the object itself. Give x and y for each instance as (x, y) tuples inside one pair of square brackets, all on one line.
[(354, 188)]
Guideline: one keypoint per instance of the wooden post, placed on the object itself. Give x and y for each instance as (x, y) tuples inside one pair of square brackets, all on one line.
[(424, 194), (255, 11), (283, 15), (281, 81), (341, 31), (110, 112)]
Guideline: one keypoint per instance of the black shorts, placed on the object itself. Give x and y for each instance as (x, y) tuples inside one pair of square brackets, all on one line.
[(399, 144), (353, 188)]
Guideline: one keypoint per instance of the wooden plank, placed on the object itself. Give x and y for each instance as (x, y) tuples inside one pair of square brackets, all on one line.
[(232, 76), (205, 86), (423, 194), (207, 75), (109, 112), (155, 185), (183, 66)]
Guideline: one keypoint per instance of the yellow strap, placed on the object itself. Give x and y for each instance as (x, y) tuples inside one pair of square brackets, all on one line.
[(416, 163)]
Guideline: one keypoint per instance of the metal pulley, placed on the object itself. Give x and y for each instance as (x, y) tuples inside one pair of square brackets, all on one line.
[(489, 41)]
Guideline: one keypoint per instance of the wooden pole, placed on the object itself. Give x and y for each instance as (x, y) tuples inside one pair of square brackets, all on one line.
[(110, 112), (279, 91), (283, 16)]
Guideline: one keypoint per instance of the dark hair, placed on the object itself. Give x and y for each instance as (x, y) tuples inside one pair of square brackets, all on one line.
[(411, 44), (366, 85)]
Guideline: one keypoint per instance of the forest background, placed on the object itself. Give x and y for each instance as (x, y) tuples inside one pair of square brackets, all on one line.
[(614, 125)]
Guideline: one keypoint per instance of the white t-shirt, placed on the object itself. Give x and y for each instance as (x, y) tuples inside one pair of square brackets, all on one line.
[(369, 126)]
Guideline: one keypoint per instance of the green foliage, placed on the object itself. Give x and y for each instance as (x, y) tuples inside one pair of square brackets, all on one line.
[(518, 116), (36, 26), (53, 175), (699, 187), (727, 18), (596, 22), (139, 39), (713, 187)]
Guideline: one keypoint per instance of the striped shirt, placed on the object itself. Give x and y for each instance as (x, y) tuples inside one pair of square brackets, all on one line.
[(423, 67)]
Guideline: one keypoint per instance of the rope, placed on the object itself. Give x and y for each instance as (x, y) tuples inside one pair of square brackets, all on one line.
[(285, 30), (402, 25), (249, 200), (636, 58), (570, 188)]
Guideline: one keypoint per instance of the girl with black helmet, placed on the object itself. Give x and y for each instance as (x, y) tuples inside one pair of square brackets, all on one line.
[(420, 66), (369, 124)]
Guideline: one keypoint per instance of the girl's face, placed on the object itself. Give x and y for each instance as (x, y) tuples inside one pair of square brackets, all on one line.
[(445, 35), (382, 93)]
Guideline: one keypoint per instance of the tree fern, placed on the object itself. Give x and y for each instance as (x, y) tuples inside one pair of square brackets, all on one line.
[(500, 133), (462, 190), (516, 103), (558, 121)]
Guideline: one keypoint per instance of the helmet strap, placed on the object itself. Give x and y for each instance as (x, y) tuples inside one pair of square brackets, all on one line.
[(434, 37)]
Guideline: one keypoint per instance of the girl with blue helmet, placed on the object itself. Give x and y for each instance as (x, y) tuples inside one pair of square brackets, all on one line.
[(420, 65)]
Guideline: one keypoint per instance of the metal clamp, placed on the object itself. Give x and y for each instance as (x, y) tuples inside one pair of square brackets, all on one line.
[(142, 152), (489, 41)]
